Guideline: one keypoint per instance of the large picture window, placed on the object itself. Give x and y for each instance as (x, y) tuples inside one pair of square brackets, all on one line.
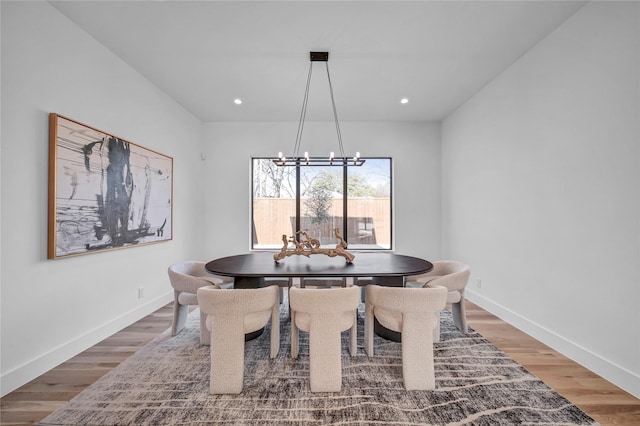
[(316, 200)]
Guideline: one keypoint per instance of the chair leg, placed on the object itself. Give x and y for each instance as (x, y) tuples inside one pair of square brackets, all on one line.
[(227, 361), (353, 334), (325, 359), (460, 315), (436, 328), (275, 330), (205, 335), (368, 330), (180, 313), (289, 296), (294, 336), (418, 371)]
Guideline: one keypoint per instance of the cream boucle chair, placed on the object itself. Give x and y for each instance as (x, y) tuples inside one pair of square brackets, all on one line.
[(454, 276), (414, 312), (324, 313), (230, 315), (186, 278)]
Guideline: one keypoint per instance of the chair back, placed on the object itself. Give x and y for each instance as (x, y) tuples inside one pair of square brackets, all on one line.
[(324, 300), (407, 300), (451, 274), (446, 267), (189, 267), (223, 304), (190, 275)]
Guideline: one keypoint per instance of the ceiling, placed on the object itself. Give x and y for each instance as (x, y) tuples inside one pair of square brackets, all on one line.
[(205, 54)]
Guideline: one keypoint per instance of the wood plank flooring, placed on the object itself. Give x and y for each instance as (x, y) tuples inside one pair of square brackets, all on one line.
[(600, 399)]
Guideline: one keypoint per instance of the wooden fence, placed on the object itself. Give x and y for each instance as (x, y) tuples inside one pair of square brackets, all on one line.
[(369, 221)]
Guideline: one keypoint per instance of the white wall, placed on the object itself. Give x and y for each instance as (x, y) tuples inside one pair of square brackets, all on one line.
[(53, 309), (415, 148), (541, 191)]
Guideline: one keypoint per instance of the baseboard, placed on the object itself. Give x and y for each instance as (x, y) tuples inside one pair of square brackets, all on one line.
[(13, 379), (619, 376)]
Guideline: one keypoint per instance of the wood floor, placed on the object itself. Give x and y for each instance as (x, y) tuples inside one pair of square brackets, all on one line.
[(600, 399)]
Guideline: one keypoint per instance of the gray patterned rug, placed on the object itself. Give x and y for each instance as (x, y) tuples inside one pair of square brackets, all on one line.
[(167, 382)]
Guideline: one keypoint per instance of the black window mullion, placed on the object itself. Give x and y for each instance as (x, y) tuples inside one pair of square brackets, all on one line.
[(298, 197), (344, 204)]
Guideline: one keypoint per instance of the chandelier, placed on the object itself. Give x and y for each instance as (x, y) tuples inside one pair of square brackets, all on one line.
[(305, 160)]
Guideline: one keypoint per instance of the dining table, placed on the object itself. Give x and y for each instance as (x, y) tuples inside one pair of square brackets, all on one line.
[(386, 268), (249, 270)]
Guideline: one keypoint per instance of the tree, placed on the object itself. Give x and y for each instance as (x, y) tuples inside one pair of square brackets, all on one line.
[(320, 197), (357, 186), (273, 181)]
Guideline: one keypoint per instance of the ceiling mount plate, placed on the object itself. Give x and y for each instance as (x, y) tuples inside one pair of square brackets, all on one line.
[(319, 56)]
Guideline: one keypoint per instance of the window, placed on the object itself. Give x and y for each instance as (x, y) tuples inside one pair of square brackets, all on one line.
[(317, 200)]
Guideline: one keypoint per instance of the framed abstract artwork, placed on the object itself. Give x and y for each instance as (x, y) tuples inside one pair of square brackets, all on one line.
[(104, 192)]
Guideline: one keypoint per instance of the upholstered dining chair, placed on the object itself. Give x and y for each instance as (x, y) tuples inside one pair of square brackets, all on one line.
[(324, 313), (414, 312), (454, 276), (186, 278), (230, 315)]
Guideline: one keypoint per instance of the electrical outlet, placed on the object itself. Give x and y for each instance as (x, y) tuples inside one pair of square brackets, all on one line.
[(478, 283), (140, 292)]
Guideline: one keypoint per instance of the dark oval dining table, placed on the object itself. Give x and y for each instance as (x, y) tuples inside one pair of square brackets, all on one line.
[(249, 270), (389, 269)]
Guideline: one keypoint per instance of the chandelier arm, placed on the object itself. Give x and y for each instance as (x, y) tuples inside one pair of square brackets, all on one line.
[(303, 114), (296, 160), (335, 113)]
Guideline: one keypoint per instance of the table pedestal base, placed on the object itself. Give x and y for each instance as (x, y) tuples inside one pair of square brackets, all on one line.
[(385, 333), (253, 335), (248, 282)]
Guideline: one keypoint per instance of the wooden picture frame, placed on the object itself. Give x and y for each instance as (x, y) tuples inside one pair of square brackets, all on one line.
[(105, 193)]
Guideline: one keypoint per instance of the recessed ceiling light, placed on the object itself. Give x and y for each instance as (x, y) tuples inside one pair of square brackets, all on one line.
[(404, 100), (237, 101)]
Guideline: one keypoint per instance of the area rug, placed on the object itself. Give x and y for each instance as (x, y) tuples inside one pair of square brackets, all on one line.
[(167, 383)]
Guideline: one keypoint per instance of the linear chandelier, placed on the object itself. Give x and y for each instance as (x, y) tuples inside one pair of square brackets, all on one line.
[(305, 160)]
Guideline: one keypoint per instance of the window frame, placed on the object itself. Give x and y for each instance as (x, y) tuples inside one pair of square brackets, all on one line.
[(345, 198)]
